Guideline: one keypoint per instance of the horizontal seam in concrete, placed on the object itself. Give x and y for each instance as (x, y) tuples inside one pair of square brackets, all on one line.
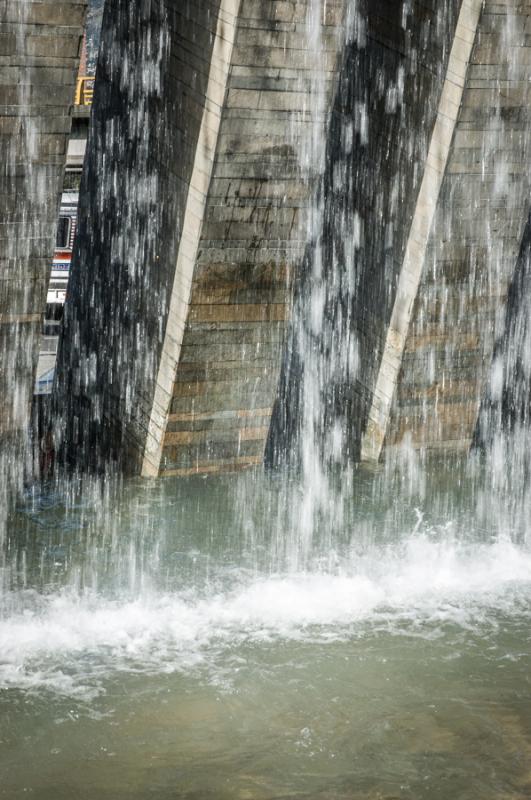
[(189, 244), (10, 319), (411, 271)]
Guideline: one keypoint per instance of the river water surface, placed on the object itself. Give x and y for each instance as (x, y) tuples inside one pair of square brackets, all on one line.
[(169, 641)]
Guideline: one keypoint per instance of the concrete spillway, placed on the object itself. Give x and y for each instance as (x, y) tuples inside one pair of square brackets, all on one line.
[(194, 200)]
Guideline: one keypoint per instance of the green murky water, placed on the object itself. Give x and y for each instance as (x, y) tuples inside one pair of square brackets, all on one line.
[(169, 644)]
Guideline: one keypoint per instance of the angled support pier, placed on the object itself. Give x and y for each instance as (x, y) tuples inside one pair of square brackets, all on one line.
[(190, 214), (192, 209), (463, 242)]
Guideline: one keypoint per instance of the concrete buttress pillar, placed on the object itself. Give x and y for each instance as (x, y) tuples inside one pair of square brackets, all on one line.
[(190, 215)]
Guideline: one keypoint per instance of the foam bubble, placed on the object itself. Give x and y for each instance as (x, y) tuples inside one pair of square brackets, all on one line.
[(70, 642)]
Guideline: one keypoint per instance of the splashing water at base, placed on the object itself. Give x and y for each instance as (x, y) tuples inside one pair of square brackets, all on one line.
[(425, 585), (395, 666)]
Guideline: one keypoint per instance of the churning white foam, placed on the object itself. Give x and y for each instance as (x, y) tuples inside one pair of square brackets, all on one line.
[(70, 642)]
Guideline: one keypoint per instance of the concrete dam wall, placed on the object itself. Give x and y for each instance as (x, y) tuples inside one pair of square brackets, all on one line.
[(181, 349)]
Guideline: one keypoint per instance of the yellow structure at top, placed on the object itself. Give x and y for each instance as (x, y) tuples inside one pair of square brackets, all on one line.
[(84, 90)]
